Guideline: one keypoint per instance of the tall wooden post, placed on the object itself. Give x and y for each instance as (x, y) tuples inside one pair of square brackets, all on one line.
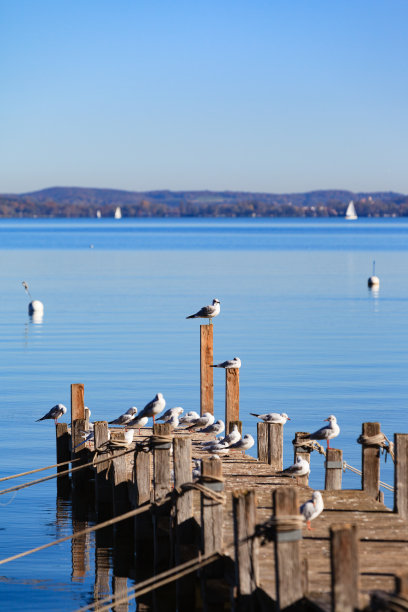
[(103, 489), (119, 482), (231, 395), (304, 453), (344, 568), (143, 524), (246, 548), (287, 550), (77, 403), (334, 469), (371, 462), (401, 475), (275, 445), (262, 437), (206, 371), (185, 527), (63, 439)]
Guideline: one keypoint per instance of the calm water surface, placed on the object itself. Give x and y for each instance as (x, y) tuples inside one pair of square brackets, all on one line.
[(295, 308)]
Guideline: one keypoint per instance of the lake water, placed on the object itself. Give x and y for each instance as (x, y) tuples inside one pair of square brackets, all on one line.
[(295, 308)]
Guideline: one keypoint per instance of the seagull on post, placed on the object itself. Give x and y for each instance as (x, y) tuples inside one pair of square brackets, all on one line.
[(272, 417), (229, 364), (301, 467), (55, 413), (207, 312), (327, 432)]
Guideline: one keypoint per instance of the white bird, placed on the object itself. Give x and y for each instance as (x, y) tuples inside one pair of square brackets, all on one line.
[(89, 437), (216, 445), (196, 471), (125, 418), (189, 418), (138, 422), (154, 407), (233, 437), (300, 468), (207, 312), (173, 421), (327, 432), (214, 428), (218, 450), (272, 417), (55, 413), (171, 412), (229, 364), (244, 444), (312, 508), (203, 421)]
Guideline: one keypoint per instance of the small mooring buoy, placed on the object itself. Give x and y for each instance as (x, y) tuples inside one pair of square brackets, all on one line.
[(373, 280), (35, 307)]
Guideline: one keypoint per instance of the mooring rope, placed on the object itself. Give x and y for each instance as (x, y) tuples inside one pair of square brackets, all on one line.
[(380, 441), (312, 444), (155, 582), (48, 467), (351, 468)]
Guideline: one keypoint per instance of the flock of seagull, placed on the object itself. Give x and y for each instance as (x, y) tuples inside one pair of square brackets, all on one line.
[(193, 422)]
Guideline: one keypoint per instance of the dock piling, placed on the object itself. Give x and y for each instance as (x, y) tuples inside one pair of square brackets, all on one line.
[(344, 568), (370, 479), (103, 489), (206, 371), (246, 548), (77, 403), (303, 452), (401, 475), (333, 469), (270, 444), (63, 440), (231, 395)]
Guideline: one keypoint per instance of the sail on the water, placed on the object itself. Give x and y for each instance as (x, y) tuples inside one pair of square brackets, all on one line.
[(351, 211), (118, 213)]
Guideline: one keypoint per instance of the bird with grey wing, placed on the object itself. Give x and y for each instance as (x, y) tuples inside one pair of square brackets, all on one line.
[(153, 408), (312, 508), (124, 419), (272, 417), (207, 312), (328, 432), (55, 413), (229, 364), (301, 467)]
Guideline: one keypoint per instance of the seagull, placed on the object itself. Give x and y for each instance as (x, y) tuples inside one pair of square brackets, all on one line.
[(203, 421), (89, 437), (244, 444), (300, 468), (229, 364), (233, 437), (55, 413), (154, 407), (215, 428), (125, 418), (327, 432), (272, 417), (207, 312), (173, 421), (138, 422), (189, 418), (171, 412), (217, 450), (312, 508)]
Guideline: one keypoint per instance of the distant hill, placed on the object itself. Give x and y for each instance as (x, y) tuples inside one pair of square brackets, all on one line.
[(83, 202)]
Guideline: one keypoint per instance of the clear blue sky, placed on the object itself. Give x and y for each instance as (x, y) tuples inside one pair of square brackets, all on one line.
[(260, 95)]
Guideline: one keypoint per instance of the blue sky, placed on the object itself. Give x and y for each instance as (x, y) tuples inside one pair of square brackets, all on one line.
[(273, 96)]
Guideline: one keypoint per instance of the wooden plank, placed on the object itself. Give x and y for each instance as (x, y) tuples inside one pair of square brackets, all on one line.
[(206, 371), (371, 462), (275, 445), (262, 436), (334, 469), (303, 453), (287, 553), (77, 403), (401, 475), (231, 395), (344, 568), (246, 548)]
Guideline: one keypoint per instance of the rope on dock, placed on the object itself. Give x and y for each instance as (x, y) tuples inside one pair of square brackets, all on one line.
[(155, 582), (380, 441), (310, 444), (48, 467), (351, 468)]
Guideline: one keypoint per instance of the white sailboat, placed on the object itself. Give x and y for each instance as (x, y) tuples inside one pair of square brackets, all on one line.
[(118, 213), (351, 214)]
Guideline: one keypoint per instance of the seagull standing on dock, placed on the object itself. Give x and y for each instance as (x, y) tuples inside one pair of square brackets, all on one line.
[(215, 428), (272, 417), (327, 432), (300, 468), (124, 419), (138, 422), (229, 364), (153, 408), (55, 413), (170, 413), (189, 418), (203, 421), (312, 508), (207, 312), (244, 444)]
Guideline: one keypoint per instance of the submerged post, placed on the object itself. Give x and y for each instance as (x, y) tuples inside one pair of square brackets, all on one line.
[(344, 568), (246, 548), (371, 461), (206, 371), (303, 452), (231, 395), (334, 469), (401, 475)]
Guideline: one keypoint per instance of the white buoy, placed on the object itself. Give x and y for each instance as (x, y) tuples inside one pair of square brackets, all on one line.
[(373, 280), (36, 307)]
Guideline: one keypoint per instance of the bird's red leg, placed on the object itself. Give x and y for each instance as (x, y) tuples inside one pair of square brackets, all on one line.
[(309, 527), (328, 443)]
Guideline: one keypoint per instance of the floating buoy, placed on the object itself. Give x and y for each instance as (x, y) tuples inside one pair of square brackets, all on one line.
[(373, 280), (36, 307)]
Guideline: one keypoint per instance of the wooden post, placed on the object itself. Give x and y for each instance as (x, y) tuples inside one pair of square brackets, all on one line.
[(231, 395), (334, 469), (143, 525), (275, 445), (63, 440), (371, 462), (287, 550), (186, 527), (103, 488), (77, 403), (206, 371), (344, 568), (401, 584), (119, 482), (81, 477), (231, 425), (246, 548), (304, 453), (141, 479), (401, 475), (86, 417), (161, 462), (262, 436)]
